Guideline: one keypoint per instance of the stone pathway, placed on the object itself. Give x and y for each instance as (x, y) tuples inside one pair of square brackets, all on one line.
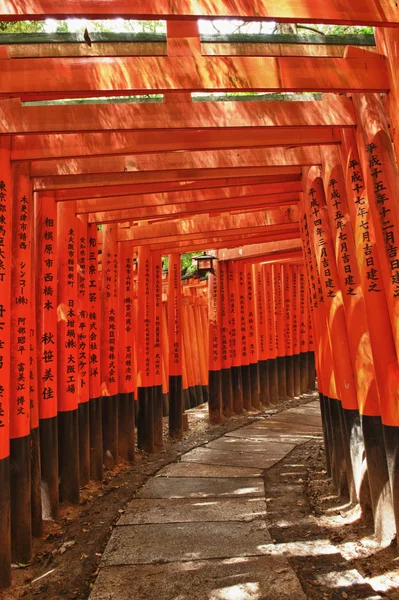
[(197, 531)]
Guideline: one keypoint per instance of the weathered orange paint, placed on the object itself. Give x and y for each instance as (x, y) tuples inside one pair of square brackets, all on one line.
[(109, 313)]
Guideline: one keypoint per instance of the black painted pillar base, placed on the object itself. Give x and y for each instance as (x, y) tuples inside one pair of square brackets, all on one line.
[(192, 395), (126, 426), (255, 388), (205, 393), (264, 382), (325, 419), (5, 535), (246, 387), (110, 408), (68, 456), (378, 478), (36, 484), (311, 371), (281, 378), (303, 358), (273, 380), (49, 466), (236, 381), (391, 437), (215, 396), (289, 372), (165, 403), (198, 394), (297, 374), (84, 443), (20, 491), (355, 456), (227, 393), (176, 406), (96, 439), (145, 421), (158, 416), (186, 399), (338, 468)]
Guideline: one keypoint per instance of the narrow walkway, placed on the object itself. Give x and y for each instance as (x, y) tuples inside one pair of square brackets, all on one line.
[(197, 531)]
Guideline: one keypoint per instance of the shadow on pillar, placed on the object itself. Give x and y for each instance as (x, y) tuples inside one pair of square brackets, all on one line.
[(303, 358), (264, 396), (20, 492), (311, 371), (297, 374), (84, 443), (338, 466), (325, 419), (126, 423), (165, 402), (289, 372), (110, 407), (236, 381), (158, 416), (145, 420), (48, 431), (96, 439), (215, 396), (255, 388), (246, 387), (281, 378), (391, 436), (273, 380)]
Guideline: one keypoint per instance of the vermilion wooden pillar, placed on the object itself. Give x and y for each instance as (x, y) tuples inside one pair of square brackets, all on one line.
[(67, 355), (36, 492), (175, 348), (21, 315), (295, 330), (311, 356), (5, 354), (261, 333), (215, 362), (235, 343), (379, 166), (271, 332), (83, 352), (243, 335), (279, 328), (126, 317), (95, 398), (227, 388), (252, 342), (145, 348), (46, 306), (377, 319), (109, 344), (303, 299), (157, 341), (289, 354)]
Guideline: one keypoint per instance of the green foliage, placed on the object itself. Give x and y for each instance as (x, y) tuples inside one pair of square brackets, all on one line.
[(21, 26)]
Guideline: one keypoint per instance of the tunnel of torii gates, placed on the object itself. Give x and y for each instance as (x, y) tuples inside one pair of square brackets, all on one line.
[(297, 199)]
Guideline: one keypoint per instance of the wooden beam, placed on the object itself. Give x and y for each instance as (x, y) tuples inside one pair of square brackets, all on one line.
[(195, 197), (275, 185), (259, 250), (200, 225), (185, 209), (374, 12), (65, 181), (70, 145), (330, 112), (212, 159), (50, 78)]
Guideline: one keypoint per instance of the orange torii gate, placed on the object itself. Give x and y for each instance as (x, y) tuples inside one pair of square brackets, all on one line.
[(92, 197)]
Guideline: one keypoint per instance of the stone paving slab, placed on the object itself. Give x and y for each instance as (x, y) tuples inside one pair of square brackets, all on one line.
[(251, 578), (201, 487), (265, 435), (186, 511), (281, 426), (249, 446), (186, 469), (159, 543), (296, 419), (208, 456)]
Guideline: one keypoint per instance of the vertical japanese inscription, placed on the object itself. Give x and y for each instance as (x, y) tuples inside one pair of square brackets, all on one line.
[(94, 314), (83, 312), (5, 309)]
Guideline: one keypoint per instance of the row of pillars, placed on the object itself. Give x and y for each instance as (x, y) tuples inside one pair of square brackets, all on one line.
[(350, 237)]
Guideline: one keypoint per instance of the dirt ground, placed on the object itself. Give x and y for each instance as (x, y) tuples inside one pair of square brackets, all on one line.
[(327, 543)]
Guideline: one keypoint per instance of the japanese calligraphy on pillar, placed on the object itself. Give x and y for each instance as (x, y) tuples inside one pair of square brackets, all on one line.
[(174, 316), (46, 231), (157, 273), (294, 308), (83, 312), (21, 305), (126, 312), (260, 321), (232, 303), (302, 310), (271, 325), (5, 295), (279, 309), (224, 317), (214, 321), (252, 349), (109, 385), (287, 282), (94, 313), (240, 270)]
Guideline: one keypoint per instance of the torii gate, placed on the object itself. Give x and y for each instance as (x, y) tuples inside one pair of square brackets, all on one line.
[(297, 198)]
